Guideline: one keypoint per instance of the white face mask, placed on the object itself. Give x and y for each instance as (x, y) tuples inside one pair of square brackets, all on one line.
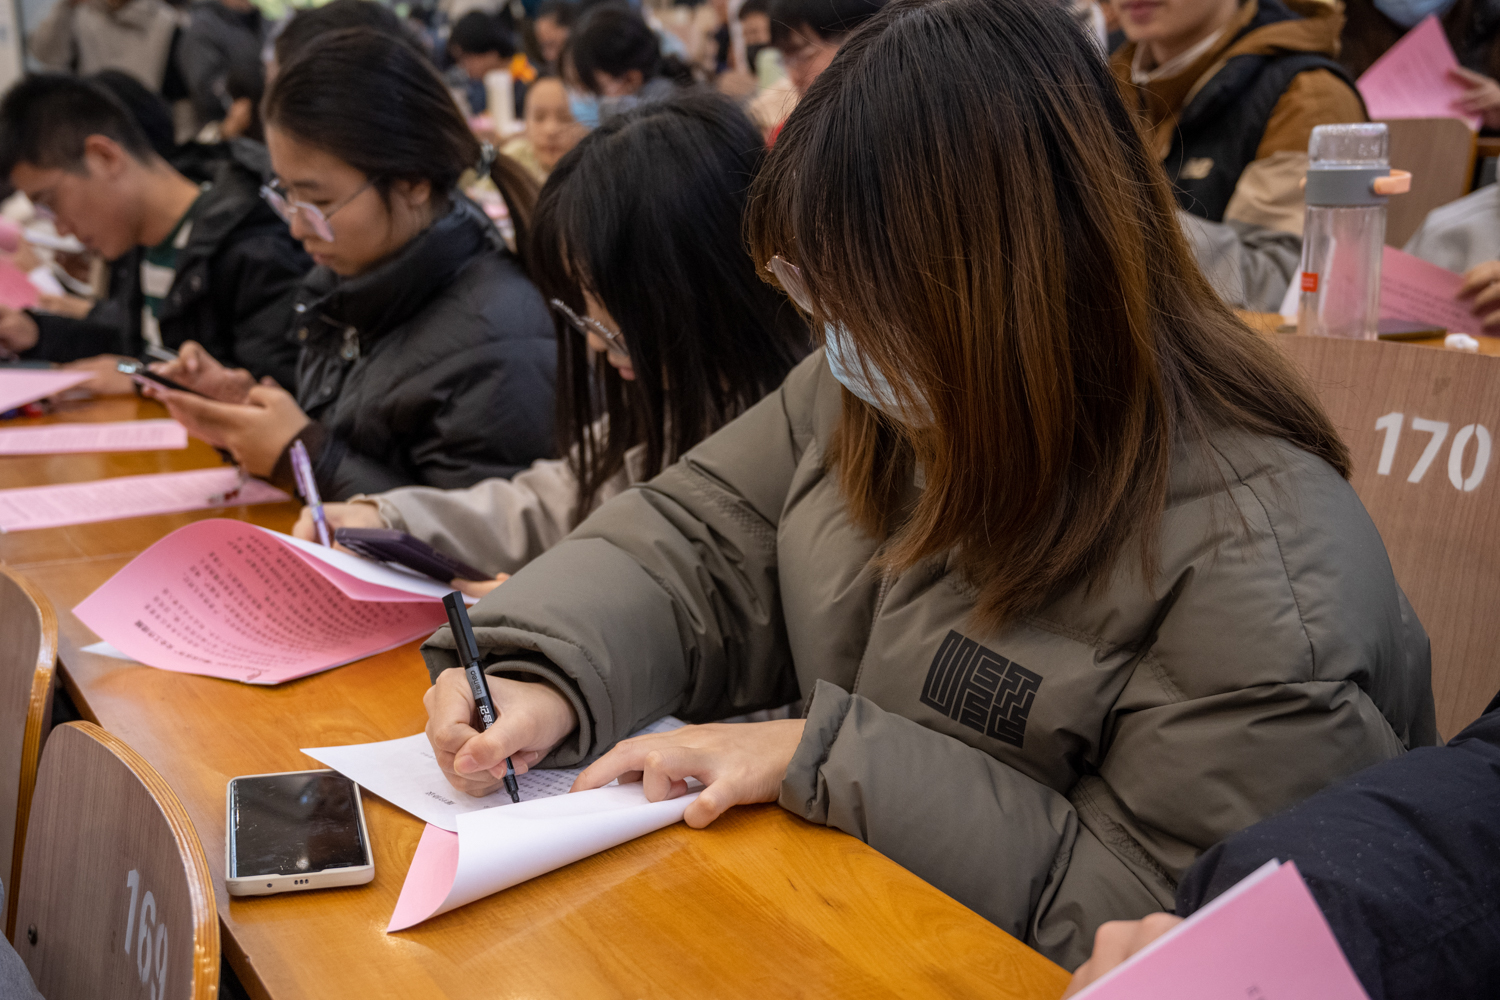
[(1408, 13), (860, 377)]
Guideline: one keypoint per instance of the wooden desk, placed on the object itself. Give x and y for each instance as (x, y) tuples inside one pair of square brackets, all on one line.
[(759, 905), (1271, 324)]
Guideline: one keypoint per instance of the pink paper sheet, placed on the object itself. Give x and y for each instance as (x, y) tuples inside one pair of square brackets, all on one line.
[(123, 435), (1412, 289), (227, 599), (1265, 938), (16, 290), (428, 880), (28, 507), (19, 386), (1412, 80)]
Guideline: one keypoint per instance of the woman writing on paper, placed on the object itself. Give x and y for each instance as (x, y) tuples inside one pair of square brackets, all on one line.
[(637, 240), (1058, 555), (427, 354)]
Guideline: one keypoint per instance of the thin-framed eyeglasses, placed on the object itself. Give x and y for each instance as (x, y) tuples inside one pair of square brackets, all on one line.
[(284, 205), (789, 277), (614, 342)]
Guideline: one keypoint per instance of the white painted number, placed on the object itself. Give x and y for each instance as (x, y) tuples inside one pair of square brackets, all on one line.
[(1481, 457), (149, 942), (1391, 423), (1439, 431)]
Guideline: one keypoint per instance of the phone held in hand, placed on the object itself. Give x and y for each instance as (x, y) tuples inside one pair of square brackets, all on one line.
[(392, 546), (293, 831), (142, 376)]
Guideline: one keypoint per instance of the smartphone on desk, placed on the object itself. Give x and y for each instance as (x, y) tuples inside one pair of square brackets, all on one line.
[(293, 831), (392, 546), (141, 375)]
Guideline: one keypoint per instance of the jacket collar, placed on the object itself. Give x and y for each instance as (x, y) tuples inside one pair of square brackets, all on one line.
[(392, 292), (1261, 28)]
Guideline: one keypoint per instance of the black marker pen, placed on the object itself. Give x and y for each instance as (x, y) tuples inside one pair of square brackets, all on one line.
[(468, 655)]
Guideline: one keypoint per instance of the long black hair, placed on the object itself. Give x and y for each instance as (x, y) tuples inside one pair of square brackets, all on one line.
[(614, 39), (372, 100), (645, 214)]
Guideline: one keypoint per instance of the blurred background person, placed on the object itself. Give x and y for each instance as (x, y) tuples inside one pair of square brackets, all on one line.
[(551, 130), (86, 36)]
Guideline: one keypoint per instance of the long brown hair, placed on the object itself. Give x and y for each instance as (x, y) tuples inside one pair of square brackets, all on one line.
[(965, 192)]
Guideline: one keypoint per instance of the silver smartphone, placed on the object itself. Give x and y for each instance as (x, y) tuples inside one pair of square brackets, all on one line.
[(293, 831)]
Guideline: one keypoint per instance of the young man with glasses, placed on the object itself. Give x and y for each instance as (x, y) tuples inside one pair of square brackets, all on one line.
[(210, 263)]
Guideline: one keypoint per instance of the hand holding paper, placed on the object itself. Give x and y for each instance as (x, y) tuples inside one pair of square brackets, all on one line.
[(1415, 79)]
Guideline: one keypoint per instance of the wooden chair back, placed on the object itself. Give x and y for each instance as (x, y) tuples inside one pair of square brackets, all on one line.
[(28, 653), (1439, 152), (1423, 426), (116, 898)]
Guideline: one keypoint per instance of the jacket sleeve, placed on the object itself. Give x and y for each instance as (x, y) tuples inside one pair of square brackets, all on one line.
[(1249, 266), (257, 280), (52, 41), (498, 525), (63, 338), (666, 599)]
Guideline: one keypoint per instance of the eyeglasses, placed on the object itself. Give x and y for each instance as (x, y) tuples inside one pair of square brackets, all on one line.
[(284, 205), (614, 342), (789, 277)]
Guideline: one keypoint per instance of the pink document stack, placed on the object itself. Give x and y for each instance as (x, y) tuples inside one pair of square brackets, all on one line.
[(229, 599)]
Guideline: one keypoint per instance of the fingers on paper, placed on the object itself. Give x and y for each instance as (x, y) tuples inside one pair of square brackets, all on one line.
[(1115, 942)]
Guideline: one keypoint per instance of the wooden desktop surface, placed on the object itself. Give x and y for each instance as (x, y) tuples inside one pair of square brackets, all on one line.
[(759, 905)]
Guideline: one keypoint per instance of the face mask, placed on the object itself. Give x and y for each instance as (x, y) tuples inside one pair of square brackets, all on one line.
[(1408, 12), (864, 380), (585, 109)]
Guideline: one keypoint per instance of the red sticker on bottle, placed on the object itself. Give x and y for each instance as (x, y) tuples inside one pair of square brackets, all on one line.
[(1309, 281)]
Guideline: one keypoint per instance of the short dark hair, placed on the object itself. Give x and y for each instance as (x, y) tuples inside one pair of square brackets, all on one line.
[(611, 38), (477, 32), (145, 106), (564, 12), (654, 199), (308, 23), (752, 7), (828, 19), (45, 118)]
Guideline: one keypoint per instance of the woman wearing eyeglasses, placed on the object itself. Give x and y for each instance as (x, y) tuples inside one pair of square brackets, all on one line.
[(1057, 554), (666, 333), (427, 354)]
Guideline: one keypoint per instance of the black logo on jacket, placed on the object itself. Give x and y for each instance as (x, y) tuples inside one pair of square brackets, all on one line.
[(981, 689)]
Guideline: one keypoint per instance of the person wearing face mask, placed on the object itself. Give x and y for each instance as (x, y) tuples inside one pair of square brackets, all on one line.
[(653, 198), (427, 354), (1058, 556), (1229, 92), (1473, 29), (551, 129), (617, 58)]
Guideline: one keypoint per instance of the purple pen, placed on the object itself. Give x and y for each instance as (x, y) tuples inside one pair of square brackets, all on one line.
[(307, 485)]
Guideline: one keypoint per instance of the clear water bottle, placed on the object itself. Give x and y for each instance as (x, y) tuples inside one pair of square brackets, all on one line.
[(1349, 179)]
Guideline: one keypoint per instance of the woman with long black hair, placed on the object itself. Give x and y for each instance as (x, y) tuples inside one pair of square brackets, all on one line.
[(427, 354), (666, 333)]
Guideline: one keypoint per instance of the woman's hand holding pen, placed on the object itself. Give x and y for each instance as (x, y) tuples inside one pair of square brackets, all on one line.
[(201, 372), (255, 432), (738, 763), (534, 717)]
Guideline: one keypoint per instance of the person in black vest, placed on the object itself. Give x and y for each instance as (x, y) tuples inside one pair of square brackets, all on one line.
[(208, 261), (428, 356), (1229, 91), (1402, 857)]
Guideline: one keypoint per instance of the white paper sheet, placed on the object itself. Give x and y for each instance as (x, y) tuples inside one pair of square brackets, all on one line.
[(495, 849), (406, 774)]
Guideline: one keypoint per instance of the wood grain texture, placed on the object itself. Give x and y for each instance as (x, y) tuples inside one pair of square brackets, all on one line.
[(1439, 152), (761, 904), (115, 899), (28, 655), (1444, 542)]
